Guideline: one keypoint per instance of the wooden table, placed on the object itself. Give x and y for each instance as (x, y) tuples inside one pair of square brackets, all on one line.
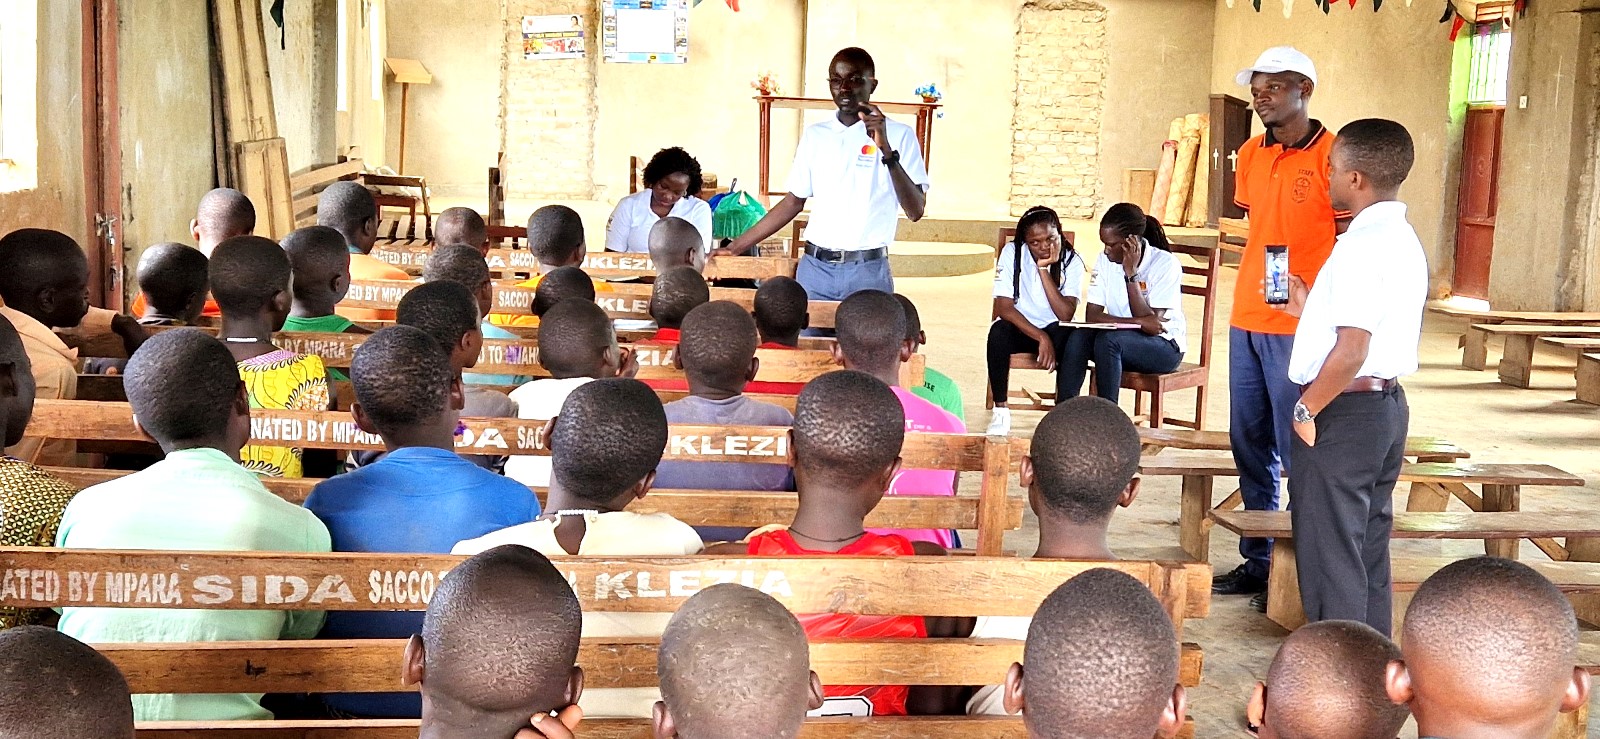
[(1433, 485), (766, 103)]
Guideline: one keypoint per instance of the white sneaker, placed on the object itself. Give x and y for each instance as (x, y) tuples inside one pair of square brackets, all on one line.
[(999, 422)]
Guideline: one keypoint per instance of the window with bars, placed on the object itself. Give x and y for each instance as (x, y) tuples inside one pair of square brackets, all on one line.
[(1491, 60)]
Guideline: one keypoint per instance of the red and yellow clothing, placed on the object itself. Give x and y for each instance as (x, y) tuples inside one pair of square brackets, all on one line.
[(211, 309), (879, 700), (528, 319), (1285, 190)]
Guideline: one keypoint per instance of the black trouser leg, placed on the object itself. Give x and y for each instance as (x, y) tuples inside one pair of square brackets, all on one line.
[(1005, 339), (1341, 507)]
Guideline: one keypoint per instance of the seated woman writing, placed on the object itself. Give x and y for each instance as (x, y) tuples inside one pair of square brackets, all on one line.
[(1137, 282), (1037, 279), (671, 188)]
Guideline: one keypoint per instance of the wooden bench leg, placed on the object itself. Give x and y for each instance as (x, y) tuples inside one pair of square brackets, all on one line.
[(1588, 379), (1502, 498), (1194, 528), (1283, 587), (1516, 363), (1427, 498), (1475, 349)]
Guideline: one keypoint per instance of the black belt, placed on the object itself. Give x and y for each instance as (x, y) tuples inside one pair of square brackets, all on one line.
[(834, 256)]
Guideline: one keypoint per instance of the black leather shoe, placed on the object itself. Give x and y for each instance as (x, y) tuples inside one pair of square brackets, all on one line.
[(1244, 584), (1259, 602), (1223, 580)]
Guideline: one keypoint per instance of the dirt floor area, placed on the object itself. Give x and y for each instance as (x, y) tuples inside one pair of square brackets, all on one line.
[(1495, 422)]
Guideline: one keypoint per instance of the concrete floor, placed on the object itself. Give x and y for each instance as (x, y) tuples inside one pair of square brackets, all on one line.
[(1495, 422)]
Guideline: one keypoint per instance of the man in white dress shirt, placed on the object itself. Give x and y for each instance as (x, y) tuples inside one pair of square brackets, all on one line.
[(1358, 334), (856, 170)]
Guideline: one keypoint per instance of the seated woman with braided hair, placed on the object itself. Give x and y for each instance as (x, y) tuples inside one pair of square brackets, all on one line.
[(1037, 281)]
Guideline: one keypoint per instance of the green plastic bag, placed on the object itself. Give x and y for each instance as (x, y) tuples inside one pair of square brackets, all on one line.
[(735, 214)]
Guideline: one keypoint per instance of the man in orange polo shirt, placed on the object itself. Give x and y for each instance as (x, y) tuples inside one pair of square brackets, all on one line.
[(1282, 181)]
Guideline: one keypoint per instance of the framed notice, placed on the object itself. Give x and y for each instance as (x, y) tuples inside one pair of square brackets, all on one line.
[(645, 31), (552, 37)]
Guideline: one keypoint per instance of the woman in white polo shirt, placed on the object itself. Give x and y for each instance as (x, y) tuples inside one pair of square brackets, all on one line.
[(1136, 282), (1037, 281), (671, 188)]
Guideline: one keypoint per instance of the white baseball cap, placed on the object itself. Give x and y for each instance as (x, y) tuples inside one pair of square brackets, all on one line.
[(1280, 59)]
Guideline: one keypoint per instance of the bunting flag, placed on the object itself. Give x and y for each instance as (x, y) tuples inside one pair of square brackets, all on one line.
[(731, 3)]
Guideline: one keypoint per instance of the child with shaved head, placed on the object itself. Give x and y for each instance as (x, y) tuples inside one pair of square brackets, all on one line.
[(717, 354), (223, 213), (448, 314), (605, 445), (675, 242), (1101, 661), (499, 644), (172, 283), (555, 237), (781, 312), (676, 292), (350, 209), (466, 266), (1327, 682), (320, 262), (562, 283), (53, 686), (576, 345), (1081, 467), (186, 393), (1489, 649), (251, 278), (848, 428), (872, 339), (461, 226), (734, 663), (408, 393)]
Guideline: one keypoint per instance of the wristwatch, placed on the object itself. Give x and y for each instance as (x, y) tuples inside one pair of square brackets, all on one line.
[(1302, 414), (1130, 279), (891, 159)]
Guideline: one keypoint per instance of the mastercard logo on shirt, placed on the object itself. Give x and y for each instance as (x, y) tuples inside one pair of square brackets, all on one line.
[(868, 150)]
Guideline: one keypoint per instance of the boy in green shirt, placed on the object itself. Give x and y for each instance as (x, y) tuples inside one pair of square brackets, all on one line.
[(321, 264), (937, 387), (186, 394)]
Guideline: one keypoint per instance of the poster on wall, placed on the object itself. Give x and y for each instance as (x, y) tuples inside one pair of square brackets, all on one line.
[(552, 37), (645, 31)]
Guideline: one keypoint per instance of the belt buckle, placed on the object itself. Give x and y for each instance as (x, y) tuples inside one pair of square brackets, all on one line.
[(837, 256)]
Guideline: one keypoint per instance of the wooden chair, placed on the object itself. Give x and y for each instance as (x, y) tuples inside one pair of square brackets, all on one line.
[(947, 586), (1189, 375), (1433, 485)]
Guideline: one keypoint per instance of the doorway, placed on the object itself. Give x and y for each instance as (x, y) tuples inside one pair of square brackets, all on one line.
[(102, 154), (1480, 157)]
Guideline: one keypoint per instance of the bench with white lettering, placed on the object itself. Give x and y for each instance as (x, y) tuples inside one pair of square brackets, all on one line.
[(991, 512), (1433, 485), (412, 257), (927, 586), (621, 300)]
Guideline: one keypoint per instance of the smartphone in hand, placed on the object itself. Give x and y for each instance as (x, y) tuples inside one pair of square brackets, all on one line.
[(1277, 275)]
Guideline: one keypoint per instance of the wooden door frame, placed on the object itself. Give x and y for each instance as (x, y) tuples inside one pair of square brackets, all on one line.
[(102, 157)]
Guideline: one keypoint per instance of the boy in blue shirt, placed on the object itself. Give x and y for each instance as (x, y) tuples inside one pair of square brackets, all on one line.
[(422, 497)]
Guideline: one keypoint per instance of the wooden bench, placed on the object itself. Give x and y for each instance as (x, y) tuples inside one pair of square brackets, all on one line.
[(1205, 266), (1475, 347), (413, 257), (1433, 485), (991, 512), (1588, 374), (1419, 448), (622, 299), (939, 586), (1516, 363)]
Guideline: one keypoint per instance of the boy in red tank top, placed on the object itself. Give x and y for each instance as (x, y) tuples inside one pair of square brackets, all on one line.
[(848, 428)]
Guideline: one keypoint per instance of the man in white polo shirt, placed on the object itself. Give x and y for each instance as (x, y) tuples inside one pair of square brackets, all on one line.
[(856, 170), (1358, 334)]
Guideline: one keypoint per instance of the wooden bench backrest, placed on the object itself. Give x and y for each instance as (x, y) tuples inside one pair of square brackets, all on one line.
[(343, 581), (305, 187), (620, 300), (412, 257)]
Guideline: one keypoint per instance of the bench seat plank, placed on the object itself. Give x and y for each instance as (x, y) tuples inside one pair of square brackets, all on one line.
[(1485, 525), (374, 665), (1427, 448), (1186, 463)]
